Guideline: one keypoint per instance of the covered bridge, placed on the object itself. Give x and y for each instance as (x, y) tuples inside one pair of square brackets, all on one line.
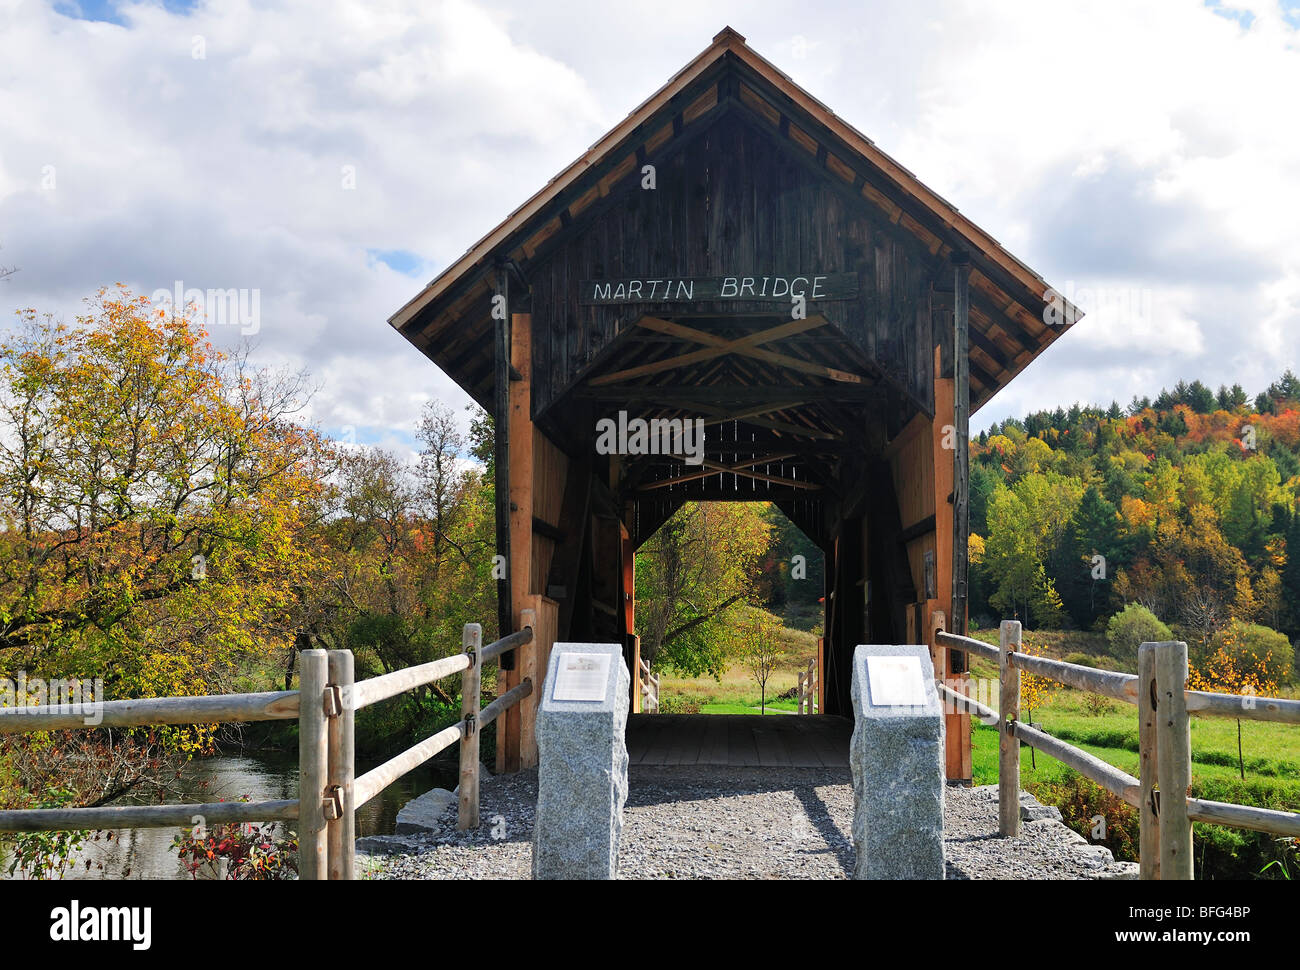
[(734, 253)]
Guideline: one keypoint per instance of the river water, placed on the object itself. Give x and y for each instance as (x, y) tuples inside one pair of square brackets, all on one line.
[(148, 853)]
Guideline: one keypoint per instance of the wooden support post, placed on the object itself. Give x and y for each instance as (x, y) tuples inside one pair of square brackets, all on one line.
[(960, 752), (501, 461), (471, 689), (1008, 746), (1149, 838), (799, 698), (342, 768), (956, 726), (961, 450), (528, 706), (313, 768), (510, 729), (638, 699), (1173, 760)]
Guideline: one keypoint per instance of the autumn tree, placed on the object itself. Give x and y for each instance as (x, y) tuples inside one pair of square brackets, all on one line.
[(156, 494), (1243, 662), (689, 576), (759, 648)]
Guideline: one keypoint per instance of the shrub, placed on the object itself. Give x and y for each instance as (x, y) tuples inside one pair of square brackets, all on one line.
[(1081, 659), (250, 851), (1257, 651), (1081, 802), (1130, 628), (679, 704), (1095, 705)]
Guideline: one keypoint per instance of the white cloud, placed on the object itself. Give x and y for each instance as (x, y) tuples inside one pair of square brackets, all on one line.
[(1148, 144)]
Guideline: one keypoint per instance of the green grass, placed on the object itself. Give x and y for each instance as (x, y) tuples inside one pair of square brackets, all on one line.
[(772, 708)]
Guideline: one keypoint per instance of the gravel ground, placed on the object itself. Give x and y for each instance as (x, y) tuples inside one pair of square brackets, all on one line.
[(740, 823)]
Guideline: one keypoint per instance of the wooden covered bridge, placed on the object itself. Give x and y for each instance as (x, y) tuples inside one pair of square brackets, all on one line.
[(734, 254)]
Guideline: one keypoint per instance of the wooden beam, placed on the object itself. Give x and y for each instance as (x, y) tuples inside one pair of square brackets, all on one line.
[(543, 528), (515, 729), (961, 453), (712, 468), (676, 395), (501, 460), (715, 346), (760, 477)]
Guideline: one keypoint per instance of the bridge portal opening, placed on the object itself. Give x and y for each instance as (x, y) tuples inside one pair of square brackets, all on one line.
[(731, 610)]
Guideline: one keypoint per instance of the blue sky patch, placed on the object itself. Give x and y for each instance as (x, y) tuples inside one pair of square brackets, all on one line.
[(399, 260), (110, 11), (1243, 17)]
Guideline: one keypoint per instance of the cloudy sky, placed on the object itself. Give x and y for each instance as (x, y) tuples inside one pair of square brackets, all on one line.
[(1142, 155)]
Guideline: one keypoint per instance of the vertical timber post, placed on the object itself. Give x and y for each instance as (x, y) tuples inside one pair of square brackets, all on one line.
[(515, 748), (1008, 744), (342, 766), (313, 754), (960, 755), (1173, 760), (961, 449), (471, 687), (501, 455), (1149, 837)]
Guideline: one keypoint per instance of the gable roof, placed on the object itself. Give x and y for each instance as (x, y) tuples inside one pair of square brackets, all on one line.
[(1008, 298)]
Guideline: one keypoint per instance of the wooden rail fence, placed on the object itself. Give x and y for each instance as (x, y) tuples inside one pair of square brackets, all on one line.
[(649, 689), (806, 692), (1159, 691), (325, 705)]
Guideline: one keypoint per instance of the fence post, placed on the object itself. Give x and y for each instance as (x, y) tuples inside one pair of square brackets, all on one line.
[(528, 706), (1149, 837), (1173, 760), (799, 696), (342, 766), (313, 770), (471, 687), (938, 654), (1008, 744)]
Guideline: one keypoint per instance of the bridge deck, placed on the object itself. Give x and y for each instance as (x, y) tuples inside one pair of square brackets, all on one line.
[(739, 740)]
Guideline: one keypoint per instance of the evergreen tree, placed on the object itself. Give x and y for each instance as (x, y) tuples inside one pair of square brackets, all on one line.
[(1086, 584), (1291, 576)]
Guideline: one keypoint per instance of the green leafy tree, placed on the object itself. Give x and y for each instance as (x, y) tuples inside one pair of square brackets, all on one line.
[(1130, 628)]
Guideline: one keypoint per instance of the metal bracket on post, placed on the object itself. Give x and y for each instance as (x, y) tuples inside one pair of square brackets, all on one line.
[(333, 700), (332, 804)]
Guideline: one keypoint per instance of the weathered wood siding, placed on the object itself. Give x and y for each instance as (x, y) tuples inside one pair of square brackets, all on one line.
[(733, 202)]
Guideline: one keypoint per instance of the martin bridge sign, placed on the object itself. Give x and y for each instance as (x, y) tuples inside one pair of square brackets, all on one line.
[(776, 288)]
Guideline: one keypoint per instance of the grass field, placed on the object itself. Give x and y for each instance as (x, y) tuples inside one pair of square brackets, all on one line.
[(1108, 730), (736, 692)]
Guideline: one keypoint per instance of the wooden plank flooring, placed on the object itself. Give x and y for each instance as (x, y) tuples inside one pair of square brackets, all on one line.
[(740, 740)]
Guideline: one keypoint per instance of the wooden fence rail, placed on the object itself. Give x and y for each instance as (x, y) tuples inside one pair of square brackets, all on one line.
[(649, 684), (325, 705), (1159, 690), (806, 690)]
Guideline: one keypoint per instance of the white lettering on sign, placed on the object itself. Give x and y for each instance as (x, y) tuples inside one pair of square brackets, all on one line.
[(896, 681), (646, 289)]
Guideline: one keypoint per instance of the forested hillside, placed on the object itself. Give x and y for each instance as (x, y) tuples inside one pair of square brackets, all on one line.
[(1186, 504)]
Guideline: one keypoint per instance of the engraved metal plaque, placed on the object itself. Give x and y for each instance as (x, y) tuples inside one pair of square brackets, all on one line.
[(896, 681), (581, 677)]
